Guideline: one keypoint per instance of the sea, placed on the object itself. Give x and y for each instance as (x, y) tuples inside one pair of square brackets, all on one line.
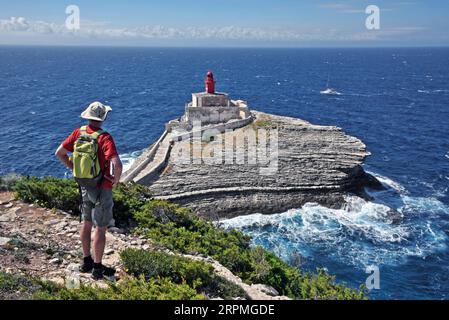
[(394, 99)]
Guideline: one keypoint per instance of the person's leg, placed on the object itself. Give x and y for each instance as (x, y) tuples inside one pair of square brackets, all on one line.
[(86, 231), (102, 216), (99, 243)]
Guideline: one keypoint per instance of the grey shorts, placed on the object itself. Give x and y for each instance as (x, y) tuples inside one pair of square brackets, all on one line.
[(97, 206)]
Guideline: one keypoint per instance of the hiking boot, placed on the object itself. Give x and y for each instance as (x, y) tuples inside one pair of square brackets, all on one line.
[(101, 271), (87, 265)]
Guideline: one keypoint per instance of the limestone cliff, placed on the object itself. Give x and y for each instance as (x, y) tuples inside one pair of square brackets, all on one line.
[(313, 164)]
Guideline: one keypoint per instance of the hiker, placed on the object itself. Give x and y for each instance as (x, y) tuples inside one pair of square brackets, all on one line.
[(96, 167)]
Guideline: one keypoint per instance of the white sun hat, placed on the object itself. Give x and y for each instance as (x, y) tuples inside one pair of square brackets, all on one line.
[(96, 111)]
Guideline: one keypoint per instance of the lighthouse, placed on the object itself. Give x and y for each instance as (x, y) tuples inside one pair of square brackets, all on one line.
[(212, 108), (210, 82)]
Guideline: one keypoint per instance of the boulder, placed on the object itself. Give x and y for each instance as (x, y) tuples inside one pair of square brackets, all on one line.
[(4, 241), (265, 289)]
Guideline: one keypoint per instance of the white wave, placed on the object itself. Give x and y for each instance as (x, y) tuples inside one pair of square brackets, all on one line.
[(389, 183), (331, 91), (361, 233), (433, 91), (330, 228), (436, 191), (262, 76), (360, 217), (427, 206), (129, 158)]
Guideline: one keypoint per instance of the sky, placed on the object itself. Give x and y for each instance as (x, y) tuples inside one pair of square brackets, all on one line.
[(266, 23)]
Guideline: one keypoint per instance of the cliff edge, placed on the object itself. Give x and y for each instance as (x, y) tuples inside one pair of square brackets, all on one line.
[(295, 162)]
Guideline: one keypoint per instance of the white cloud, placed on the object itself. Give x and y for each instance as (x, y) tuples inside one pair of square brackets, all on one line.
[(14, 24), (95, 30), (101, 30), (20, 24)]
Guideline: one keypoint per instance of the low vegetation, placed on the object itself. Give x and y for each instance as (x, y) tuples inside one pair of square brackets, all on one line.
[(8, 182), (63, 194), (197, 274), (263, 123), (180, 230), (127, 289), (14, 286)]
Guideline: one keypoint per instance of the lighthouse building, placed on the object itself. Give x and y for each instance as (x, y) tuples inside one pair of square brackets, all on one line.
[(211, 107)]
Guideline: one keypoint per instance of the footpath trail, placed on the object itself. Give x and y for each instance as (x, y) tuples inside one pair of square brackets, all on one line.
[(45, 243)]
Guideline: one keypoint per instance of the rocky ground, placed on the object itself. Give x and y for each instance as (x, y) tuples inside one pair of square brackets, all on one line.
[(45, 244), (314, 164)]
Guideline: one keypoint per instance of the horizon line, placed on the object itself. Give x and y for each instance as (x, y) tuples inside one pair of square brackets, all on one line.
[(436, 46)]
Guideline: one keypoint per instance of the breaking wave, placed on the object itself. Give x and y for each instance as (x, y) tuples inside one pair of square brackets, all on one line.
[(387, 230), (129, 158)]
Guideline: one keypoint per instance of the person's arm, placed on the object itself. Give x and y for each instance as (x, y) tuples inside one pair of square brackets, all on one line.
[(62, 154), (117, 168)]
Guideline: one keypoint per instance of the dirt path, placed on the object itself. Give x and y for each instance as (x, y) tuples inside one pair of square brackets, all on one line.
[(45, 244)]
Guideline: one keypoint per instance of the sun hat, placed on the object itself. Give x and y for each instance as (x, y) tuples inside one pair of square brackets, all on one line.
[(96, 111)]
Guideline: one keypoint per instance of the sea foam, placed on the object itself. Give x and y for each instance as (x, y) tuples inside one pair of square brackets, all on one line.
[(361, 233)]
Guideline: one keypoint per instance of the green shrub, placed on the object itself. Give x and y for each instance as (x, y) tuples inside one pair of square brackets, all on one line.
[(49, 192), (64, 194), (16, 286), (129, 198), (7, 182), (197, 274), (128, 289), (12, 282), (293, 283), (180, 230)]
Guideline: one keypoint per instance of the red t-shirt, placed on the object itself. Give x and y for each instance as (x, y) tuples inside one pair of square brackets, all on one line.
[(106, 151)]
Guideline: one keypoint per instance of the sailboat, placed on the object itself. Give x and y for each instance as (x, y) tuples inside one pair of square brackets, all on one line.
[(329, 90)]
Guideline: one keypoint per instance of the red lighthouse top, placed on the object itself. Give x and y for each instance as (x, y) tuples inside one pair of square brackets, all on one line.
[(210, 83)]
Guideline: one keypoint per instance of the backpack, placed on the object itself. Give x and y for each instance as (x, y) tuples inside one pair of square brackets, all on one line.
[(86, 165)]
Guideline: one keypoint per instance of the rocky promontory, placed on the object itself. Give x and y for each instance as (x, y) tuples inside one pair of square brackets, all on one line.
[(306, 163)]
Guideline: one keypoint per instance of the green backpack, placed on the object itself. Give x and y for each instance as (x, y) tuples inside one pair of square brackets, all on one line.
[(86, 165)]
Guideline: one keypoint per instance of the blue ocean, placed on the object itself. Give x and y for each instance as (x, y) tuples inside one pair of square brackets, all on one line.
[(395, 100)]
